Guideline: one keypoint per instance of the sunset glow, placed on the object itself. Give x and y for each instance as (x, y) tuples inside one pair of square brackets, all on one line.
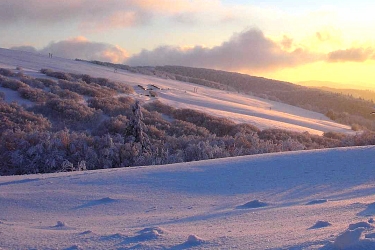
[(291, 41)]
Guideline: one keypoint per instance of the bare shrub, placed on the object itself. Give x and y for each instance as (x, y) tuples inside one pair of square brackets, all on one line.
[(216, 125), (47, 82), (334, 135), (182, 128), (13, 116), (35, 95), (9, 83), (159, 107), (6, 72), (69, 112), (65, 93), (58, 75), (112, 106), (32, 82), (82, 88), (114, 125)]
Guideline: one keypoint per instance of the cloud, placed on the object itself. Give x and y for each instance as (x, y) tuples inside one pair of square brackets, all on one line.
[(352, 55), (287, 42), (97, 14), (249, 50), (80, 47)]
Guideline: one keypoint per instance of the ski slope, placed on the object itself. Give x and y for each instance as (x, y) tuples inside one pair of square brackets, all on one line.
[(306, 200), (237, 107)]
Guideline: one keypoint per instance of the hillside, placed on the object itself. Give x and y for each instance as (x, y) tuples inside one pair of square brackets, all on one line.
[(341, 108), (239, 108), (306, 200)]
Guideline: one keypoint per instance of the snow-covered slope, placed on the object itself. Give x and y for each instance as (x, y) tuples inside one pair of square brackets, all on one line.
[(306, 200), (237, 107)]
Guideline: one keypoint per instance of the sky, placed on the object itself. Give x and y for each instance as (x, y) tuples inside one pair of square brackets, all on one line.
[(287, 40)]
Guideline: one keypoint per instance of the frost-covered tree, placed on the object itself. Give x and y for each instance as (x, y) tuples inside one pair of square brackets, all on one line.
[(138, 129)]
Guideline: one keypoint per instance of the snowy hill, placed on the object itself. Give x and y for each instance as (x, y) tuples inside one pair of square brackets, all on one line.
[(297, 200), (237, 107), (320, 199)]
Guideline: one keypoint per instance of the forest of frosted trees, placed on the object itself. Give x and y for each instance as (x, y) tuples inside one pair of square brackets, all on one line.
[(78, 122)]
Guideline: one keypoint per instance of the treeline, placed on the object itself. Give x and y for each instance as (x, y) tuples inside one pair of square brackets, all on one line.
[(82, 130), (356, 93)]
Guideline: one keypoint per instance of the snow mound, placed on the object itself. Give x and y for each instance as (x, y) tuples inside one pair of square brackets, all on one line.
[(98, 202), (360, 225), (369, 211), (321, 224), (349, 238), (319, 201), (253, 204), (151, 233), (146, 234), (113, 237), (194, 240)]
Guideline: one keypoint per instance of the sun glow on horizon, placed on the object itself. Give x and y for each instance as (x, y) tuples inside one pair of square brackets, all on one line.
[(356, 75)]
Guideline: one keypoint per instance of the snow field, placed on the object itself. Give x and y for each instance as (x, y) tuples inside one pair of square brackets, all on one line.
[(198, 205)]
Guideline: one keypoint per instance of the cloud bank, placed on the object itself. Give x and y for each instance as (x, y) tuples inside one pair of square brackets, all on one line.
[(352, 55), (97, 14), (247, 50), (82, 48)]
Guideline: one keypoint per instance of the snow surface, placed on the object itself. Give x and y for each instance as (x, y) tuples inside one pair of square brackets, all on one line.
[(237, 107), (269, 201), (195, 205)]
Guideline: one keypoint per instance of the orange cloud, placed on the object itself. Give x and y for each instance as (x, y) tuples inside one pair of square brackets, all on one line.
[(80, 47), (249, 50), (114, 54), (97, 14), (173, 7), (286, 42)]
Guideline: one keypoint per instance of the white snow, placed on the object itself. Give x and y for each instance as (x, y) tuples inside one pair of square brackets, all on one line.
[(159, 207), (195, 205), (14, 96), (239, 108)]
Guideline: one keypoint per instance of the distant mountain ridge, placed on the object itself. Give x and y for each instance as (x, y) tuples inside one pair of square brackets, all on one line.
[(336, 85), (356, 93)]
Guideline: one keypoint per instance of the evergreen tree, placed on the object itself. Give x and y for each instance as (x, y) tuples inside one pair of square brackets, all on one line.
[(138, 129)]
